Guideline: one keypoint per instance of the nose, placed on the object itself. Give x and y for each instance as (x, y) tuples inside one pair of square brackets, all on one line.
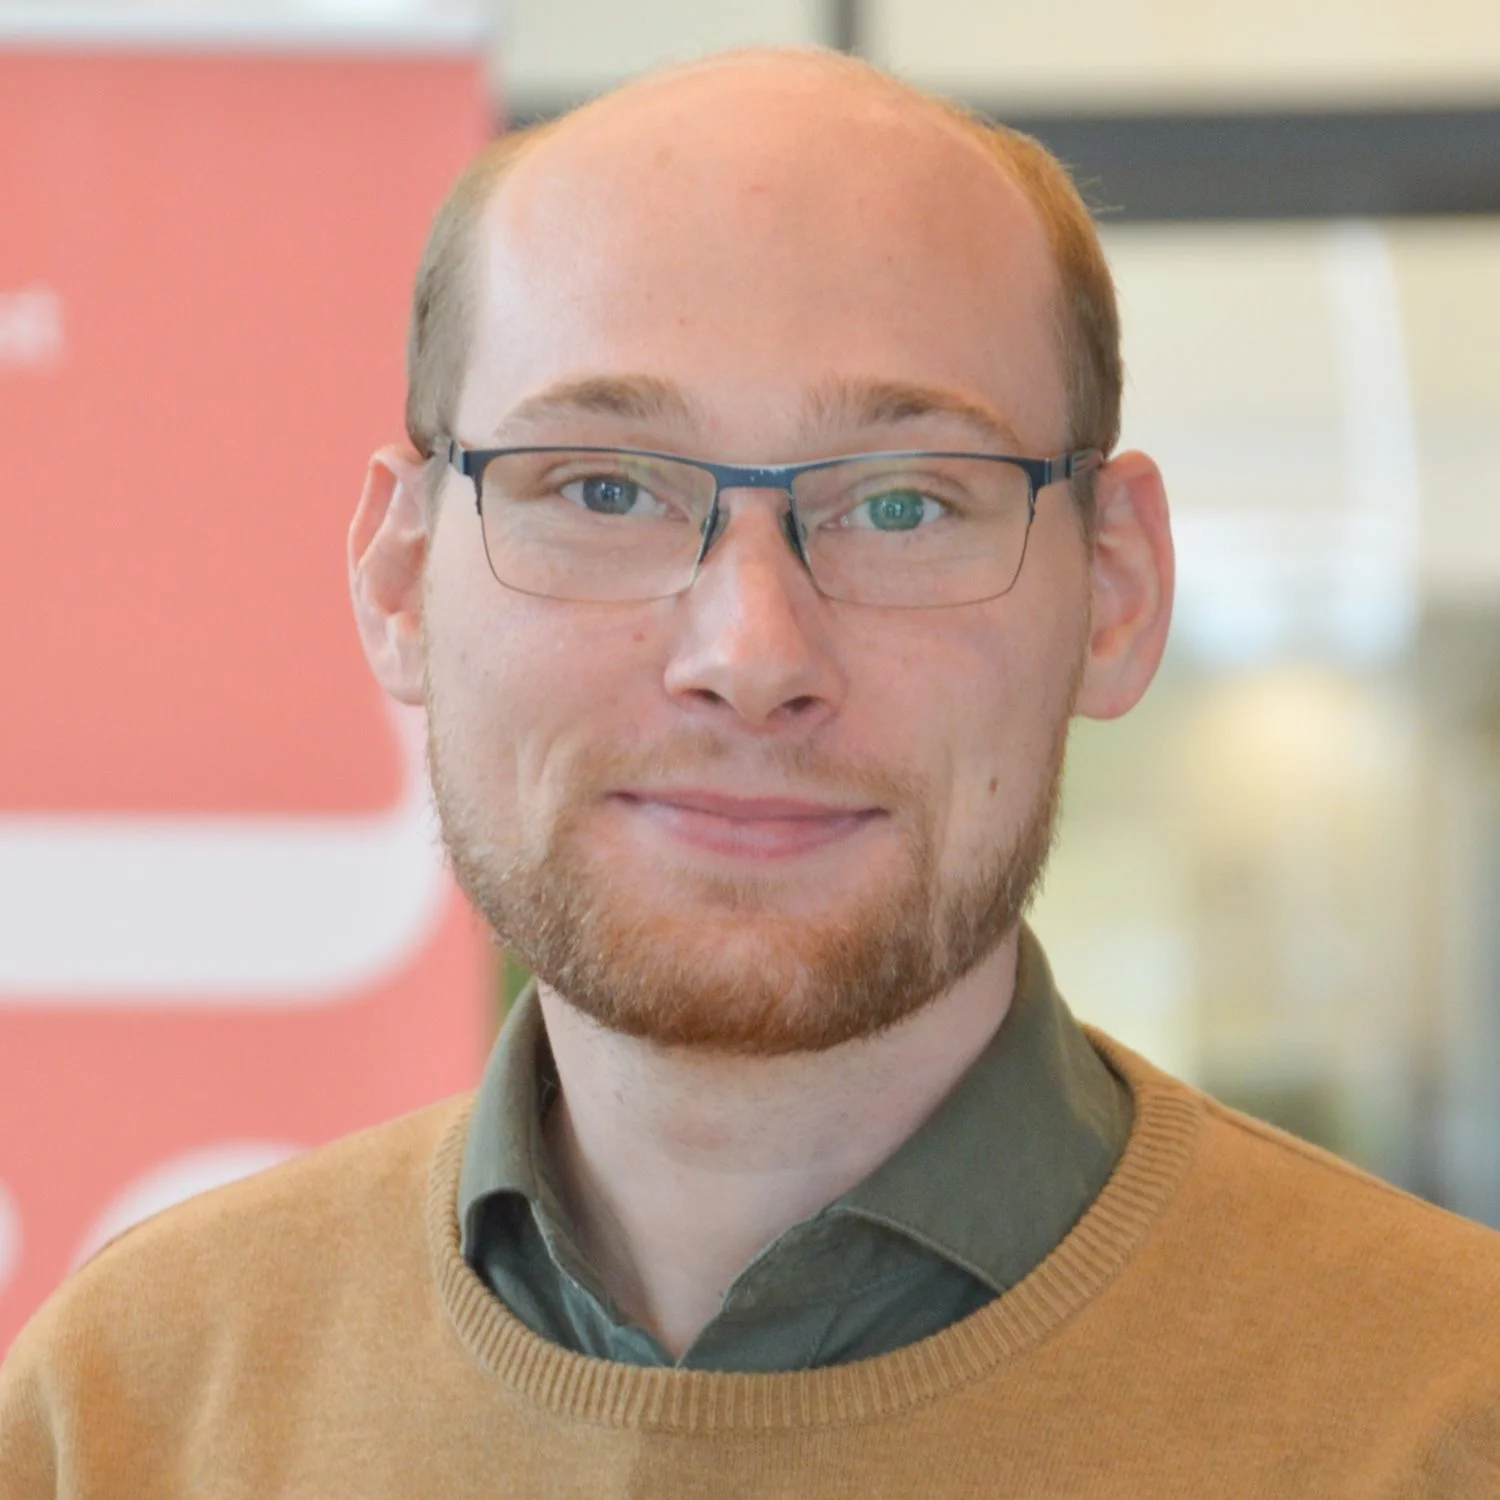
[(754, 641)]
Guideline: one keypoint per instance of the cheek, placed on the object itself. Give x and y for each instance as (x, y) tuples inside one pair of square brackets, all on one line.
[(502, 687), (995, 726), (987, 699), (517, 687)]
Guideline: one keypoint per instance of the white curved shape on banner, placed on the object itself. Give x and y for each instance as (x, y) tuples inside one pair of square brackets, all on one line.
[(10, 1237), (218, 912), (175, 1181)]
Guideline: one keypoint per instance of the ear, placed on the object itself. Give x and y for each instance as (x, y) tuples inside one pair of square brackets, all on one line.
[(1130, 586), (388, 541)]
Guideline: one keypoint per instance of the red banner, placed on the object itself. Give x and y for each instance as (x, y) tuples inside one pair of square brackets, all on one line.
[(225, 929)]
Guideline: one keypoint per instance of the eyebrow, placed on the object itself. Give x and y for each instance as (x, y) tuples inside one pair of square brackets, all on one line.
[(848, 403), (840, 404), (630, 398)]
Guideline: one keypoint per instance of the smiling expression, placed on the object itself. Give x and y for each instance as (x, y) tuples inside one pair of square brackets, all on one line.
[(746, 816)]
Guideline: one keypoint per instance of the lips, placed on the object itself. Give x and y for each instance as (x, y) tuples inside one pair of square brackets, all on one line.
[(744, 808), (746, 827)]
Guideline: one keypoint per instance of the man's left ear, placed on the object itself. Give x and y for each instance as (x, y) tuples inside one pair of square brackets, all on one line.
[(1130, 586)]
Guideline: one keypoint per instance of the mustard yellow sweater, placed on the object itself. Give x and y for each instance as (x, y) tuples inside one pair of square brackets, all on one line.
[(1237, 1315)]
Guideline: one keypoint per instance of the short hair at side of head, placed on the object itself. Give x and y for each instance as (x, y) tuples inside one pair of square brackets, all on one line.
[(445, 297), (1086, 312)]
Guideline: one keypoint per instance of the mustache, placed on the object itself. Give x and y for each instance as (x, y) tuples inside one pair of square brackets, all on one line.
[(793, 767)]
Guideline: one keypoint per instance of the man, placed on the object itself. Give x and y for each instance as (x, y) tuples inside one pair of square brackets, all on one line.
[(759, 538)]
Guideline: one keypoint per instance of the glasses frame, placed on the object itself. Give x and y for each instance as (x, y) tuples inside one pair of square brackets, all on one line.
[(1039, 472)]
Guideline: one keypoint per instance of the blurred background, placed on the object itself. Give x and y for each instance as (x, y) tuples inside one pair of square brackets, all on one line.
[(1279, 878)]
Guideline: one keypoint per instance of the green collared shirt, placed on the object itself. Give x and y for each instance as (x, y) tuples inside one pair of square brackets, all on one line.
[(964, 1209)]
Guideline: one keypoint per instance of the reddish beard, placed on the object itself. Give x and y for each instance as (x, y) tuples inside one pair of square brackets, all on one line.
[(719, 964)]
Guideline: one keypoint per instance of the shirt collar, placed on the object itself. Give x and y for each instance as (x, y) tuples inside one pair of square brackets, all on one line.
[(504, 1152), (996, 1176), (991, 1181)]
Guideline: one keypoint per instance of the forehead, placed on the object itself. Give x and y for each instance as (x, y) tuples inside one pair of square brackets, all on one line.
[(753, 233)]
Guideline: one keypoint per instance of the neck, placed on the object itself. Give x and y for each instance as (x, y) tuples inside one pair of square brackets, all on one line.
[(679, 1167)]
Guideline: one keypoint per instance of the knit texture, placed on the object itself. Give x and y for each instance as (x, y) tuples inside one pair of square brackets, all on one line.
[(1236, 1315)]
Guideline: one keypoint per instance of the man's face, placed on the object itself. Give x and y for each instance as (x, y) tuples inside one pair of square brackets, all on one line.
[(748, 817)]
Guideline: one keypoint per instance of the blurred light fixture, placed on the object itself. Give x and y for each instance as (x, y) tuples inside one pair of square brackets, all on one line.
[(1297, 525)]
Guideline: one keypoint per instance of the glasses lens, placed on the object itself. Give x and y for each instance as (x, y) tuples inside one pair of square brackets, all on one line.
[(925, 530), (593, 525)]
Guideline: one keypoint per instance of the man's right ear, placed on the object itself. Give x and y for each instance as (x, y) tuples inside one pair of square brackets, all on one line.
[(388, 541)]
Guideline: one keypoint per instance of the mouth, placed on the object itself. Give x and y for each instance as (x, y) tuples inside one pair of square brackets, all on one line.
[(754, 828)]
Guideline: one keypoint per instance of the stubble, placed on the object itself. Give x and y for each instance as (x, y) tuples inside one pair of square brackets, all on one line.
[(718, 964)]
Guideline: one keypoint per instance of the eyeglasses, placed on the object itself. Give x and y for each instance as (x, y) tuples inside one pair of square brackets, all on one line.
[(910, 530)]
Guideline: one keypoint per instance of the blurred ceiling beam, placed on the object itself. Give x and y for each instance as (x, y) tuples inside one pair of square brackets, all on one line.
[(845, 26), (1367, 163), (1273, 164)]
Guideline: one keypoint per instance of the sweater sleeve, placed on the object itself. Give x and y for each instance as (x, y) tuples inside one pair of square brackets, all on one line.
[(28, 1439)]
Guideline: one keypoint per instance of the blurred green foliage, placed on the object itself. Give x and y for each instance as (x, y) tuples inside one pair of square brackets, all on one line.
[(514, 977)]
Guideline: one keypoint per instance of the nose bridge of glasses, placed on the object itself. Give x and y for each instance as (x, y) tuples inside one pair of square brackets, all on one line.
[(732, 479)]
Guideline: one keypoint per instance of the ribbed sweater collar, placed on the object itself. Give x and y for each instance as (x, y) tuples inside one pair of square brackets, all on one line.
[(1166, 1125)]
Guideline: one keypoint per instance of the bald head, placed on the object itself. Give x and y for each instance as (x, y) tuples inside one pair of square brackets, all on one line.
[(791, 128), (744, 273), (756, 196)]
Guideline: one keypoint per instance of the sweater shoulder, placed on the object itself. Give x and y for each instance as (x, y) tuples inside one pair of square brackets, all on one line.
[(343, 1184), (1319, 1282), (1332, 1192), (345, 1208), (1267, 1196), (215, 1309)]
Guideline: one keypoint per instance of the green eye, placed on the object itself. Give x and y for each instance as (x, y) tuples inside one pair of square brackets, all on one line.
[(899, 510)]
